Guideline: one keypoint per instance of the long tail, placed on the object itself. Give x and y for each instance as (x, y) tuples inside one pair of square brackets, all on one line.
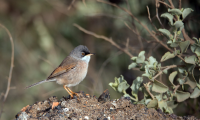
[(43, 81)]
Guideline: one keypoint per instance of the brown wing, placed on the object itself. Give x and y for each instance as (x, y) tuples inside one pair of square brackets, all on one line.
[(67, 64)]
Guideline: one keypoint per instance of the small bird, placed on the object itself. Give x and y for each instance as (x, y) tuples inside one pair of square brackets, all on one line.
[(71, 71)]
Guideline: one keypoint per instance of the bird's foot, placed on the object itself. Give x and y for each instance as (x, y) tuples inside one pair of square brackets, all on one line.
[(76, 94)]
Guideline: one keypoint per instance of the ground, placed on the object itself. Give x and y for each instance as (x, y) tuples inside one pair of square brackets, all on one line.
[(90, 107)]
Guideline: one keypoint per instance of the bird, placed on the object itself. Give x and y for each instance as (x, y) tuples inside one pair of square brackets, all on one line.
[(71, 71)]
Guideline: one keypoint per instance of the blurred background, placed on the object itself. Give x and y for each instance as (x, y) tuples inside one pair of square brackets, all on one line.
[(44, 35)]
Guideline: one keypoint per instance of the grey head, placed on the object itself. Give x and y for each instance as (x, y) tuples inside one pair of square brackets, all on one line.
[(81, 52)]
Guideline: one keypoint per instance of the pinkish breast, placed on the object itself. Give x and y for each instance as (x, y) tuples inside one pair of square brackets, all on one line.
[(74, 76)]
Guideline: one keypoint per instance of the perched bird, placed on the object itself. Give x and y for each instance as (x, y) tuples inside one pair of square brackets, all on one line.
[(72, 70)]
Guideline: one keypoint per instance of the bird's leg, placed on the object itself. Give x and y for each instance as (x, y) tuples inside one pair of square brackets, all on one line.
[(71, 93), (66, 88)]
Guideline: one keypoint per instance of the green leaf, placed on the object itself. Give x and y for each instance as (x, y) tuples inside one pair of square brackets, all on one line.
[(127, 95), (132, 65), (186, 12), (123, 85), (181, 70), (167, 56), (190, 59), (136, 85), (165, 71), (198, 85), (182, 96), (159, 87), (194, 38), (152, 104), (176, 52), (141, 57), (142, 68), (195, 93), (147, 101), (146, 75), (152, 60), (175, 11), (114, 85), (172, 76), (171, 104), (169, 17), (162, 105), (174, 45), (181, 81), (165, 32), (184, 46), (134, 59), (169, 42), (191, 83), (141, 101), (179, 24), (190, 70), (158, 96), (195, 49), (120, 84)]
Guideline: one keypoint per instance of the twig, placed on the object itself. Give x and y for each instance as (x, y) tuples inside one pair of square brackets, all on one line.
[(165, 4), (59, 7), (137, 33), (176, 88), (167, 68), (145, 27), (157, 6), (171, 3), (186, 37), (104, 38), (179, 4), (11, 67), (127, 43), (149, 16), (71, 4), (147, 88)]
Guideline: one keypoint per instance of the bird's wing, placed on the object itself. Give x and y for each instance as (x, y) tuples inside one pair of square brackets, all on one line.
[(67, 64)]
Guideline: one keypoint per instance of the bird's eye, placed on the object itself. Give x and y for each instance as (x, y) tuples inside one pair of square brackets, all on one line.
[(83, 53)]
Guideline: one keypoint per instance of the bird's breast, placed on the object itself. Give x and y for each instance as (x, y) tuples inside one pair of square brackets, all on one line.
[(75, 75)]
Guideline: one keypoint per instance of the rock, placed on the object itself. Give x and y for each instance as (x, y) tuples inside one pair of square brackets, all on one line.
[(92, 108)]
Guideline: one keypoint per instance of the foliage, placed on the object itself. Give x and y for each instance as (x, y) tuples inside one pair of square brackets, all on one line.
[(157, 94)]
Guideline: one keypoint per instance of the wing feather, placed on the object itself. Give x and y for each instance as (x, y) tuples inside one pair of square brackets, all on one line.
[(67, 64)]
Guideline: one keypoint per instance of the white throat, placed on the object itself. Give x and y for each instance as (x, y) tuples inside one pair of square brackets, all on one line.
[(86, 59)]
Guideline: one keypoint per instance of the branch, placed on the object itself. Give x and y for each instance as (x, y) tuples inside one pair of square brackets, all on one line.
[(147, 88), (176, 88), (145, 27), (179, 4), (165, 4), (11, 67), (71, 4), (157, 6), (168, 67), (149, 16), (171, 3), (104, 38), (138, 35)]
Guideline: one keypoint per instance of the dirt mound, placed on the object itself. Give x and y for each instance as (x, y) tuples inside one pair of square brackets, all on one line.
[(89, 107)]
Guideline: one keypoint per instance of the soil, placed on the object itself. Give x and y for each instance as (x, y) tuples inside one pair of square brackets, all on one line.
[(89, 107)]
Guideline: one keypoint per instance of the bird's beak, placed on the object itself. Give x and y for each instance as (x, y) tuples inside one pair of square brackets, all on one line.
[(90, 54)]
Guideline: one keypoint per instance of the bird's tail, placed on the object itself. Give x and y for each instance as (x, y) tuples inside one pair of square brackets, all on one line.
[(43, 81)]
